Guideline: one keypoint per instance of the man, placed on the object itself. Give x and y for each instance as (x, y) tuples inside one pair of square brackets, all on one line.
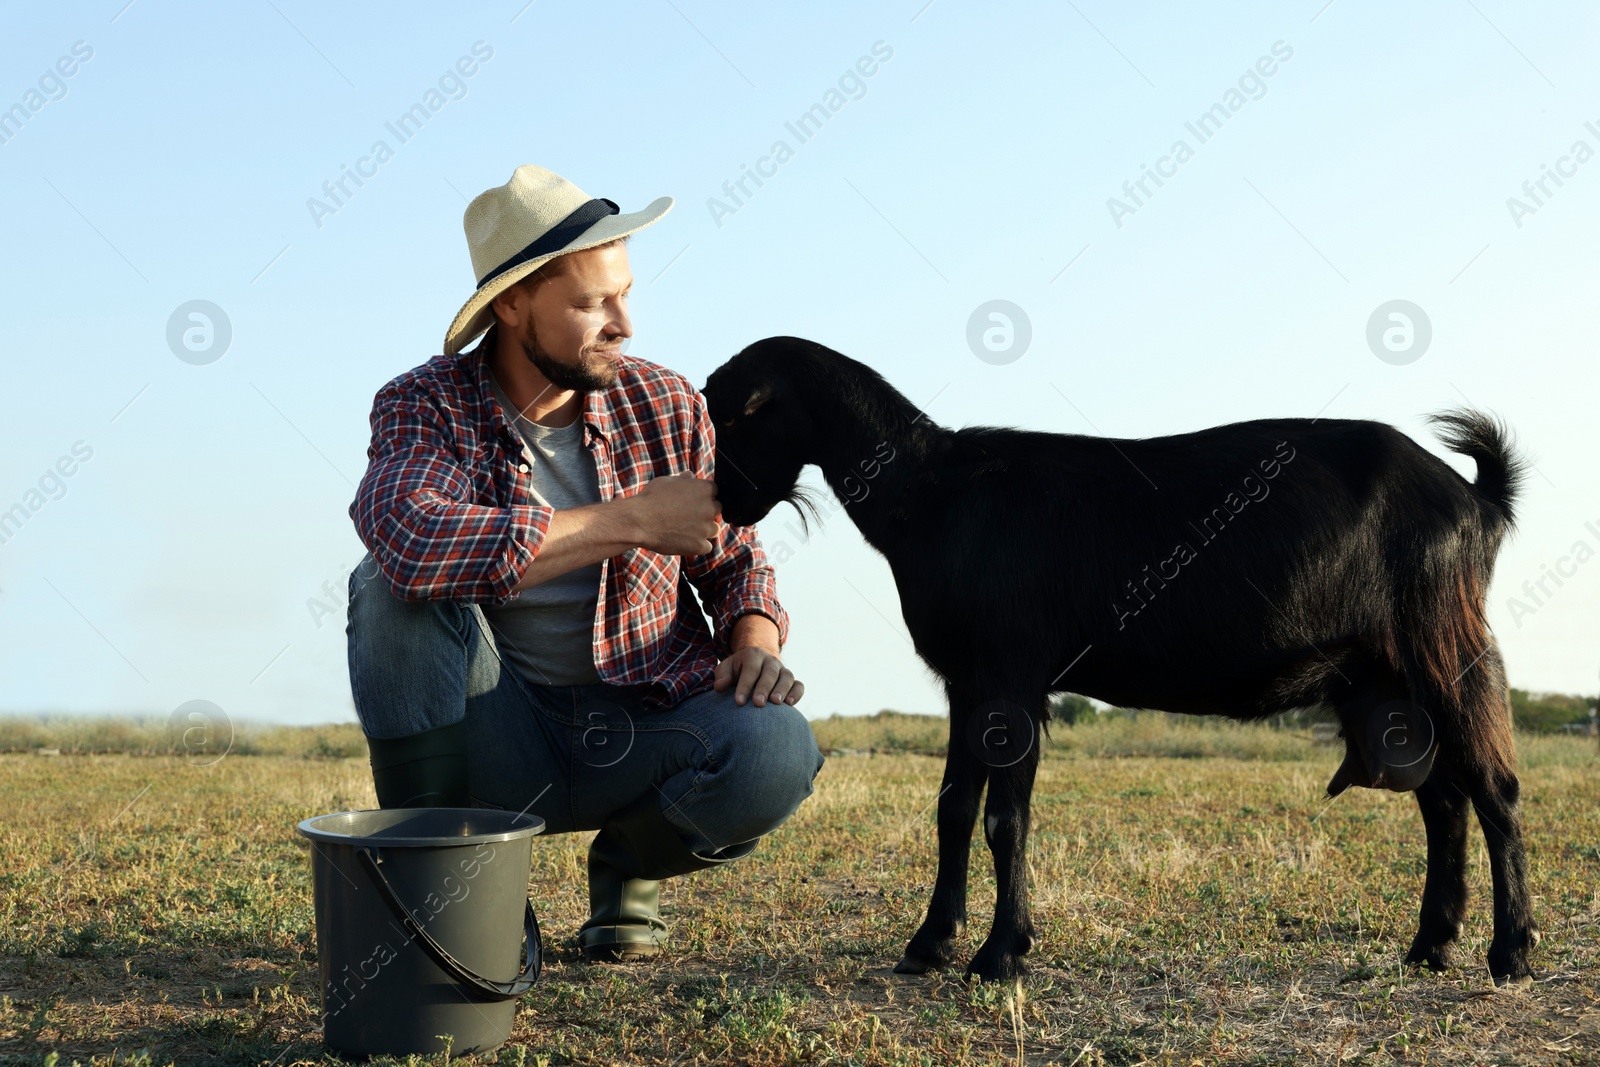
[(521, 634)]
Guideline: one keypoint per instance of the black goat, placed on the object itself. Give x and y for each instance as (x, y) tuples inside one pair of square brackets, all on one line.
[(1242, 570)]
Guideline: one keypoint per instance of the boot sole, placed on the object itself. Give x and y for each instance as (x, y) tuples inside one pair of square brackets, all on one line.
[(621, 953)]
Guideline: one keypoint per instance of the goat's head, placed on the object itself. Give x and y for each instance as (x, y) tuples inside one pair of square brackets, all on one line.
[(764, 434)]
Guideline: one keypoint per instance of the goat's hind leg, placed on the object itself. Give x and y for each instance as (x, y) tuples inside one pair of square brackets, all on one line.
[(1515, 933), (1495, 794), (1445, 807), (1480, 773), (934, 946), (1444, 894)]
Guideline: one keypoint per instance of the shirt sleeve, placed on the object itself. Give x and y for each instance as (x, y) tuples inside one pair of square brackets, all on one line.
[(414, 510), (734, 578)]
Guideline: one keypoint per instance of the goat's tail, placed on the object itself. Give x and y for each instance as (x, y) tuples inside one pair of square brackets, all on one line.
[(1501, 470)]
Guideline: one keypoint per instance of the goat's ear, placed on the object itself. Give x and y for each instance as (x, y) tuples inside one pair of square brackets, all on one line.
[(760, 395)]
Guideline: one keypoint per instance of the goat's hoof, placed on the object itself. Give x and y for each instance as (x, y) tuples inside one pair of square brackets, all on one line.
[(917, 965), (1512, 971), (1508, 961), (996, 966), (1435, 957), (927, 952)]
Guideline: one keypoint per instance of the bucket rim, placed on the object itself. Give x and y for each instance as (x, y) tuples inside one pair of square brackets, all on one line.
[(531, 825)]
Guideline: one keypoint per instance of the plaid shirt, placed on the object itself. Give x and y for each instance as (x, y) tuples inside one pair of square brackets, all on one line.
[(446, 511)]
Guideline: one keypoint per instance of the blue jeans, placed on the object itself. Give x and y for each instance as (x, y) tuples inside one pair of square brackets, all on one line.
[(572, 755)]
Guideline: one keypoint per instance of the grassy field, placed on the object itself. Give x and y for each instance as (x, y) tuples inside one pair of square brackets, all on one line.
[(1197, 902)]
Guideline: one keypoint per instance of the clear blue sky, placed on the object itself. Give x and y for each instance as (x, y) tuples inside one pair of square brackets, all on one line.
[(184, 558)]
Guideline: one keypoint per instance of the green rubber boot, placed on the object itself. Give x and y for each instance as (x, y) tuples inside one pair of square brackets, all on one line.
[(635, 849), (625, 921), (426, 770)]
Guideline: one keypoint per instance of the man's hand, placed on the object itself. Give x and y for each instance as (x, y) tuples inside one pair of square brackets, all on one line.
[(676, 515), (760, 676), (754, 667)]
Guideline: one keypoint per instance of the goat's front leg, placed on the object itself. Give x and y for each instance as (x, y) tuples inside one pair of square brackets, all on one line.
[(1005, 825), (934, 945)]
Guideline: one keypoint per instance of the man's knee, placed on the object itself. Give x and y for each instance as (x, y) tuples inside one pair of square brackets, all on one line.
[(375, 608), (399, 653), (370, 597), (773, 760)]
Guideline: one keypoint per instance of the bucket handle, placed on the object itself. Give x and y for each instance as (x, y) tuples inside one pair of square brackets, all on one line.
[(532, 949)]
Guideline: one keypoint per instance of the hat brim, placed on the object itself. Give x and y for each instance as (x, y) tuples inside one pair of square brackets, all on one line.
[(475, 315)]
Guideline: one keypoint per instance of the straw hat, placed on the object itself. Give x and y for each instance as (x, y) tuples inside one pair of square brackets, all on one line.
[(516, 228)]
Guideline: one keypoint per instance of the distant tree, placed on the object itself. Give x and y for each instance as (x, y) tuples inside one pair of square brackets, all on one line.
[(1547, 713), (1070, 708)]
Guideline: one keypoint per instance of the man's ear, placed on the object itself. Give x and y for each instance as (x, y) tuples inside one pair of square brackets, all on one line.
[(761, 395), (503, 306), (514, 302)]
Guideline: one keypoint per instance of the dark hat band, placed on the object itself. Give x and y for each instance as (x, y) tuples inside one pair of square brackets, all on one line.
[(558, 236)]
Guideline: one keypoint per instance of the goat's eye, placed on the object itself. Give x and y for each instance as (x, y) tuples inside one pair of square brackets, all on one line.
[(727, 422)]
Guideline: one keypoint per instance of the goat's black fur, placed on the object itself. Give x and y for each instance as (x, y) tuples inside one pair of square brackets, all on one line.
[(1242, 570)]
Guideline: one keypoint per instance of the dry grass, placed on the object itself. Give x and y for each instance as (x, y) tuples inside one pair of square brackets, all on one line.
[(1153, 734), (83, 735), (1211, 909)]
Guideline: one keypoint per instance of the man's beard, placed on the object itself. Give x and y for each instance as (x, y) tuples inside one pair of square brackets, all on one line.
[(583, 376)]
